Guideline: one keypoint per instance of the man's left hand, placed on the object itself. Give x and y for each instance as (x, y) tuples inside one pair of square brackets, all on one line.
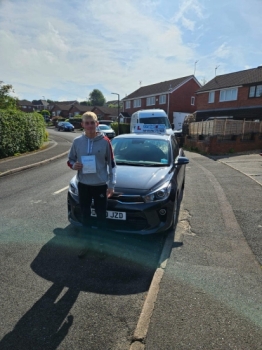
[(109, 192)]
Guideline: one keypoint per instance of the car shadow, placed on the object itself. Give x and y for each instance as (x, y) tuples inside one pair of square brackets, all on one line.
[(125, 266)]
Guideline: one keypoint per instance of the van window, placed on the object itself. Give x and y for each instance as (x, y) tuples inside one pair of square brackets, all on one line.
[(156, 120)]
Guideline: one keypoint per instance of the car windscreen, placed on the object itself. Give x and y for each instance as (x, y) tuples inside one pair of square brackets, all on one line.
[(104, 127), (144, 152), (156, 120), (67, 124)]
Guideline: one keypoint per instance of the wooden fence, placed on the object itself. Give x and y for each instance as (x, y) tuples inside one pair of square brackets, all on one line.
[(224, 127)]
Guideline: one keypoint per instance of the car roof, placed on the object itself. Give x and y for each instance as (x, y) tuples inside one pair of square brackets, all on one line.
[(151, 136), (103, 125)]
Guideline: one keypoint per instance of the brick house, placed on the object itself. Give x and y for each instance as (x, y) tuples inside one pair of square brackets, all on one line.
[(25, 106), (238, 95), (60, 110), (64, 103), (106, 113), (173, 96), (39, 105), (78, 109)]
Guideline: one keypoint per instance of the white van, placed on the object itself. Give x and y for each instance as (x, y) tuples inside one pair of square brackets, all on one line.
[(151, 116)]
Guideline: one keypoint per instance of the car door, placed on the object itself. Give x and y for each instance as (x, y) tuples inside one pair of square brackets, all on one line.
[(179, 169)]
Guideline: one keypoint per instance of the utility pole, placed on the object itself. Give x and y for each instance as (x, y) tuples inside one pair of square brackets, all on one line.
[(118, 108)]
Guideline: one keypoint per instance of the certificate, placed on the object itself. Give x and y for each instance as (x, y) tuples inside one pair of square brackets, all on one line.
[(89, 164)]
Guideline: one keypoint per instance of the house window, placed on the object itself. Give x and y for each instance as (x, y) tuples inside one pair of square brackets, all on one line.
[(255, 91), (150, 101), (76, 113), (137, 103), (128, 104), (228, 95), (211, 97), (192, 101), (162, 99)]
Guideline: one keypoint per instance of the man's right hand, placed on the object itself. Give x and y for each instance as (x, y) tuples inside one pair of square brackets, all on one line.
[(77, 166)]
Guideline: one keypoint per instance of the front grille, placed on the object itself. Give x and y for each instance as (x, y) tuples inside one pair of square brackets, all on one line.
[(130, 224), (127, 198)]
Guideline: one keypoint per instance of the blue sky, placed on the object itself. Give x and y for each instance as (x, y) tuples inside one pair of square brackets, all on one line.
[(63, 49)]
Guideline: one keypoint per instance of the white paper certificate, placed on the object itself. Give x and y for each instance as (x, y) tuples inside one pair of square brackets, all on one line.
[(89, 164)]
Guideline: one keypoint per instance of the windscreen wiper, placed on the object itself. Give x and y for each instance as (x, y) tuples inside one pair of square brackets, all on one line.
[(129, 163)]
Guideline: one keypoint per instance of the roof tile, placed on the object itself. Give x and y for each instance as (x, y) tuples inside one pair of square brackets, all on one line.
[(158, 88), (244, 77)]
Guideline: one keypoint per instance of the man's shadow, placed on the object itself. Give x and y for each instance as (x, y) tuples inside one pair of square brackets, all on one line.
[(127, 267), (45, 325)]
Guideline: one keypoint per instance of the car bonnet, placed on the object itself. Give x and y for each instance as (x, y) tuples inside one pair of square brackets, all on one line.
[(140, 178)]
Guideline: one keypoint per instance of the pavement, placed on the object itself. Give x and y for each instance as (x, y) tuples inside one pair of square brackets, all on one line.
[(54, 149), (191, 291)]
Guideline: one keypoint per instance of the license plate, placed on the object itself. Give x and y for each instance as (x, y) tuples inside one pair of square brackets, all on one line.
[(113, 215)]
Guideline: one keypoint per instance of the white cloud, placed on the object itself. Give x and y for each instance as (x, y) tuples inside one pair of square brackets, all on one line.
[(188, 8), (68, 48), (113, 45)]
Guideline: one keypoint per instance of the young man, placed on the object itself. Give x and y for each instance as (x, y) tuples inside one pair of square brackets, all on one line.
[(91, 155)]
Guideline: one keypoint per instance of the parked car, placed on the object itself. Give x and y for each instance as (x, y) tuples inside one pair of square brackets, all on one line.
[(106, 122), (149, 185), (65, 126), (107, 130)]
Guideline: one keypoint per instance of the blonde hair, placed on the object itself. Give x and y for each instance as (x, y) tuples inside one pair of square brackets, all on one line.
[(89, 115)]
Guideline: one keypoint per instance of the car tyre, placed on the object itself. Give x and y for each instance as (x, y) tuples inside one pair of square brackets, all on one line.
[(175, 213)]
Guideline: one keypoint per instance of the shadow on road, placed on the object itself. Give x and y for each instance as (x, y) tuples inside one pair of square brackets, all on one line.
[(45, 325), (126, 267)]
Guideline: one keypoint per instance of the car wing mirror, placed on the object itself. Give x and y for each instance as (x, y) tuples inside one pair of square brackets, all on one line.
[(181, 160)]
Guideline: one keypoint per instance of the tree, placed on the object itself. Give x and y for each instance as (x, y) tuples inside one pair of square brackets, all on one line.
[(85, 103), (44, 113), (96, 98), (6, 101)]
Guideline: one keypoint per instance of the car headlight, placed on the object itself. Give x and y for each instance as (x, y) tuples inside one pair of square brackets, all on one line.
[(160, 194), (73, 189)]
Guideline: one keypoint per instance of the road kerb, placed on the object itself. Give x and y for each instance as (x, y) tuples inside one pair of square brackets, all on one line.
[(16, 170), (148, 307)]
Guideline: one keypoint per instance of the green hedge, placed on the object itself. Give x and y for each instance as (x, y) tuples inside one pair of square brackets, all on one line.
[(124, 128), (20, 132)]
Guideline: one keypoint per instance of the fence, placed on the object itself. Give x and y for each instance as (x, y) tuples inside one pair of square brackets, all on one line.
[(224, 127)]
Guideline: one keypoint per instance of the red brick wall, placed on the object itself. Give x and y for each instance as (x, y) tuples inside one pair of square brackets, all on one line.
[(132, 110), (215, 146), (180, 101), (242, 100)]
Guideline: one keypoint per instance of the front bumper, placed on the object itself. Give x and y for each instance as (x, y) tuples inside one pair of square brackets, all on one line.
[(141, 218)]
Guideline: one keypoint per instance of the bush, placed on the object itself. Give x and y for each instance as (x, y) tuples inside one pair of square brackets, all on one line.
[(20, 132), (124, 128), (46, 136), (45, 112)]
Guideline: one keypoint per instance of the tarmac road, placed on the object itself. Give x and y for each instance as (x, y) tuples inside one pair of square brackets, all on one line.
[(207, 295)]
